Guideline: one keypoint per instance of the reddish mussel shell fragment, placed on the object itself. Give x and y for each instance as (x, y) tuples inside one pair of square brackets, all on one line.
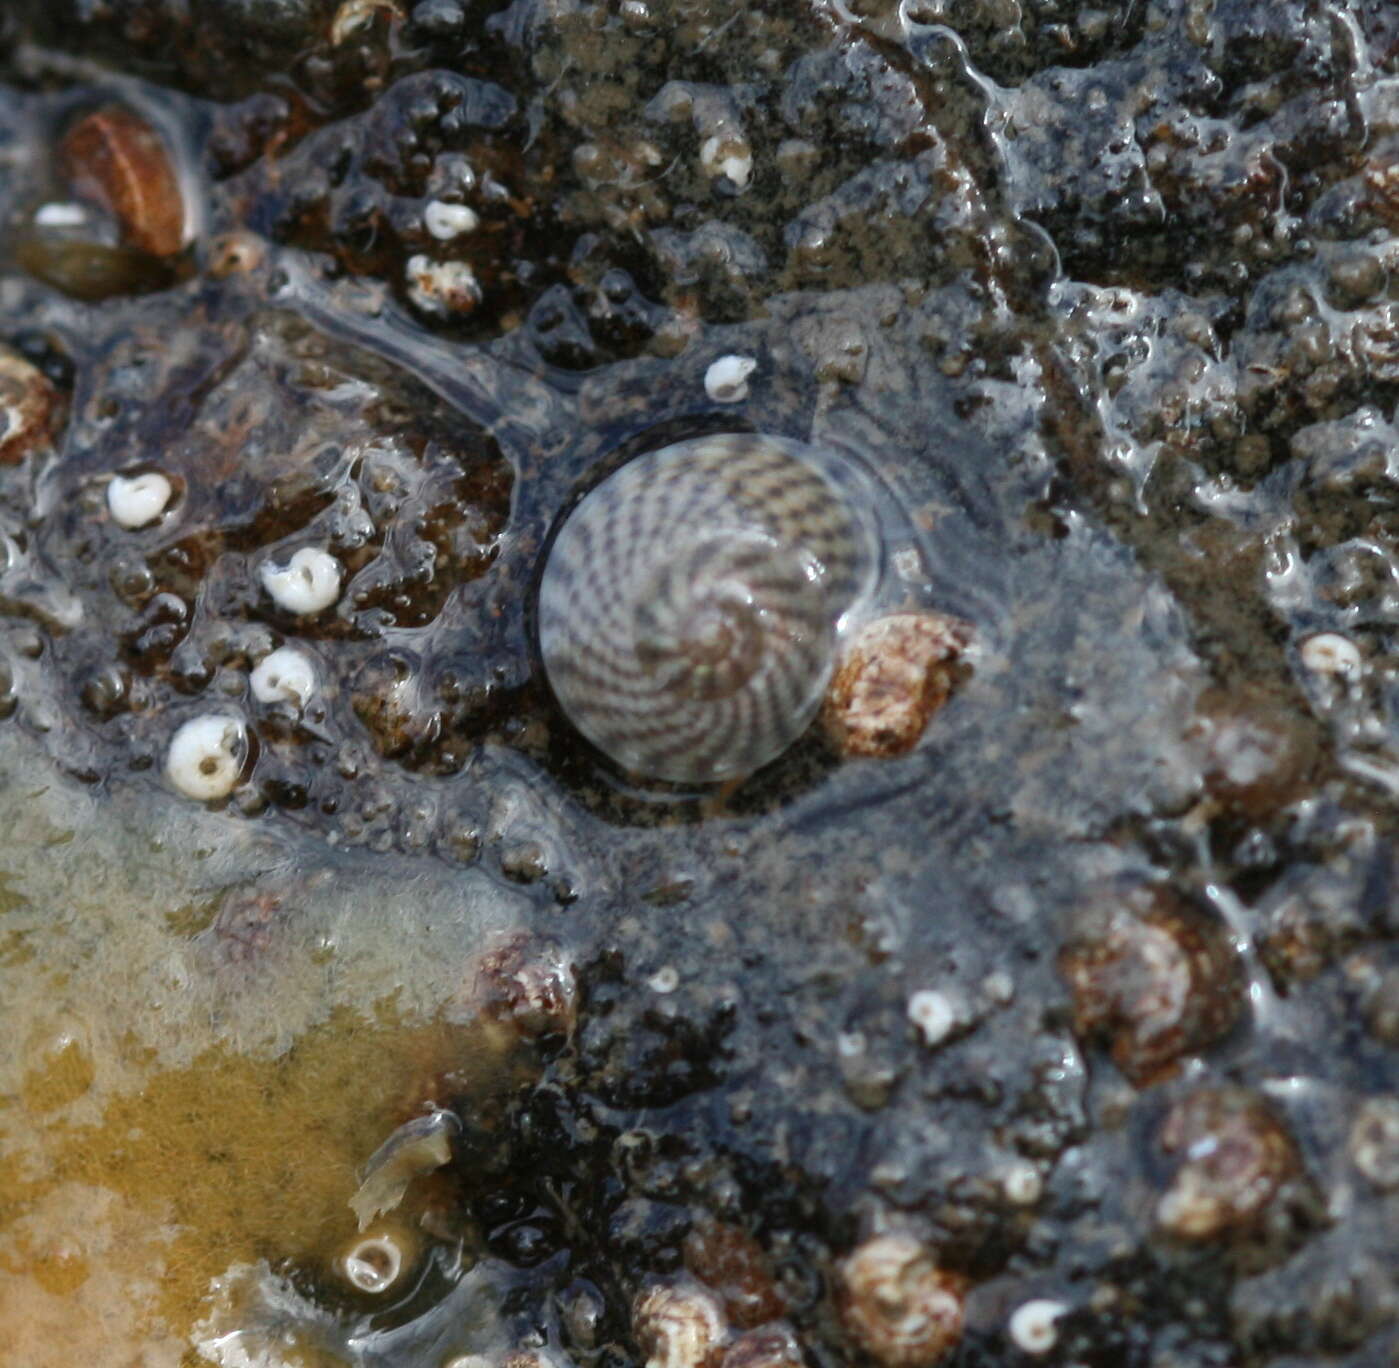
[(115, 159)]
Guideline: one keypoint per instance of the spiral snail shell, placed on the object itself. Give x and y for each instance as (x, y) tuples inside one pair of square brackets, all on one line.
[(690, 606)]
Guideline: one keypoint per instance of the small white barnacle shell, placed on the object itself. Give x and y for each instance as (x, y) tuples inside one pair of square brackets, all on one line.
[(285, 675), (1034, 1326), (690, 605), (136, 500), (726, 380), (446, 221), (206, 756), (308, 583), (376, 1262)]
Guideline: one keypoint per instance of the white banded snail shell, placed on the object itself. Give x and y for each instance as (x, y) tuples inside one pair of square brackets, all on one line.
[(691, 603)]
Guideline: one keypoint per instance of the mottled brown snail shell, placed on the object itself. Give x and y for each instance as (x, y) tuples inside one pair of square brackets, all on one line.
[(896, 672), (1156, 978), (678, 1325), (898, 1304), (1237, 1154), (27, 406), (732, 1264), (690, 604)]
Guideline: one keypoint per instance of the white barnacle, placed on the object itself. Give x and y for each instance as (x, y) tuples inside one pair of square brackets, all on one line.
[(1022, 1184), (726, 380), (1033, 1325), (374, 1263), (999, 987), (934, 1014), (206, 756), (1332, 654), (285, 676), (308, 583), (62, 214), (136, 500), (446, 221)]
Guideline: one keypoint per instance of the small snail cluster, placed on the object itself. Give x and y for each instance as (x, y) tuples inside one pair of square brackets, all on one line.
[(694, 605)]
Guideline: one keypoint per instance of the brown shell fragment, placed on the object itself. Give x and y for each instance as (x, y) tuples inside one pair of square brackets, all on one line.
[(27, 405), (1157, 980), (116, 159), (900, 1307), (891, 679)]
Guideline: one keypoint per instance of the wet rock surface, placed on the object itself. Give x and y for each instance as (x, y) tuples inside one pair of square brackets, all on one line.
[(1088, 999)]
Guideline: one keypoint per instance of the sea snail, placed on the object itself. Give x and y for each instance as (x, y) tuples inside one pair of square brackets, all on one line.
[(692, 604)]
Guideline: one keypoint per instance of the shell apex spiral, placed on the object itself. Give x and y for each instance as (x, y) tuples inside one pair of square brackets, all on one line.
[(689, 606)]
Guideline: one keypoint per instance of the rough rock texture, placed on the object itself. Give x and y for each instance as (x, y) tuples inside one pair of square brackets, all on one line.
[(1106, 292)]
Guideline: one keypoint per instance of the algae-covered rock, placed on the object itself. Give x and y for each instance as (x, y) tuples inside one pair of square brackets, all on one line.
[(1065, 1025)]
